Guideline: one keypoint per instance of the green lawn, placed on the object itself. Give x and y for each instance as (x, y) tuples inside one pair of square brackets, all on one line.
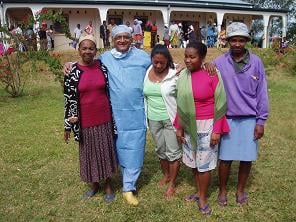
[(39, 173)]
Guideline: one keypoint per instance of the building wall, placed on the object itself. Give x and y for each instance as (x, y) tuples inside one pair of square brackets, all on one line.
[(80, 13)]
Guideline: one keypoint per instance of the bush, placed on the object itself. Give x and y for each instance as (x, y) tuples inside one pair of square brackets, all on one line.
[(11, 69), (271, 59)]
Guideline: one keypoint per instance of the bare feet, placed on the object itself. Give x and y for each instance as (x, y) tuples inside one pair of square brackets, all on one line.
[(165, 180), (170, 192)]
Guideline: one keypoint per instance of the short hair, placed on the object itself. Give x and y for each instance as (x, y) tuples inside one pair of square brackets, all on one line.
[(200, 48), (163, 50)]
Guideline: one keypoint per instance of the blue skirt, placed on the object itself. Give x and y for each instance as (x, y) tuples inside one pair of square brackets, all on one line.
[(239, 143)]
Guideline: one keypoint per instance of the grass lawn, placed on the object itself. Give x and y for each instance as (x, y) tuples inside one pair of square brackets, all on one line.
[(39, 173)]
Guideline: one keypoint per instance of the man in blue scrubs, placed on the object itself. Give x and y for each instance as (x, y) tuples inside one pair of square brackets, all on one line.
[(126, 70)]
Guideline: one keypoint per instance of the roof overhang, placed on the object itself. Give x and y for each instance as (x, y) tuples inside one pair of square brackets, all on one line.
[(189, 3)]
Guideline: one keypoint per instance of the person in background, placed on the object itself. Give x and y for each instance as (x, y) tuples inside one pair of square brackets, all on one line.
[(110, 26), (104, 34), (197, 32), (247, 109), (222, 38), (138, 33), (42, 36), (166, 36), (153, 34), (147, 34), (160, 94), (19, 30), (89, 30), (203, 32), (129, 26), (12, 29), (181, 36), (200, 122), (173, 33), (191, 33), (30, 40), (88, 114), (210, 36), (77, 34), (50, 37), (157, 39)]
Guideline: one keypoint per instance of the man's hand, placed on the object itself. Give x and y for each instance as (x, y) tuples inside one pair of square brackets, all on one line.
[(210, 68), (67, 68), (215, 139), (180, 136), (179, 68), (67, 136), (258, 132), (73, 119)]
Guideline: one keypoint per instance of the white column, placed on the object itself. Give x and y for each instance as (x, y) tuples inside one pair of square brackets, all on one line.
[(284, 30), (220, 16), (35, 10), (103, 13), (266, 34), (2, 14), (166, 15)]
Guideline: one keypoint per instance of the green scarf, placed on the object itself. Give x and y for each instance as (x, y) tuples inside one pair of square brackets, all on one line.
[(186, 107)]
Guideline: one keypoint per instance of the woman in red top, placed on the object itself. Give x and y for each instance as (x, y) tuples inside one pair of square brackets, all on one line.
[(201, 103), (88, 114)]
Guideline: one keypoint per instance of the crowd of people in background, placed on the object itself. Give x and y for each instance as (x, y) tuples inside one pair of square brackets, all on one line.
[(144, 34), (25, 39)]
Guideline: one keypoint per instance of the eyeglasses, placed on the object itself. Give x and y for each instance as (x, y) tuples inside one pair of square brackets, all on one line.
[(122, 38)]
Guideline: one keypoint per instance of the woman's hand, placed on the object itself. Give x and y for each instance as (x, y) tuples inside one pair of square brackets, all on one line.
[(258, 132), (215, 139), (67, 136), (67, 68), (180, 136), (210, 68)]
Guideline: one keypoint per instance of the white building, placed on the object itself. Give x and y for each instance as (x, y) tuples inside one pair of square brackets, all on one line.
[(203, 12)]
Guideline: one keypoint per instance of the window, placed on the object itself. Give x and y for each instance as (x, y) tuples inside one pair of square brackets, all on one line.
[(58, 28), (117, 18)]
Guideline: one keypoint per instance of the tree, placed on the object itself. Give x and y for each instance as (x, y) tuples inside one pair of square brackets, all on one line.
[(280, 4)]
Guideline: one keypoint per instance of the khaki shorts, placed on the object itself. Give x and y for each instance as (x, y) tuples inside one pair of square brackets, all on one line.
[(167, 146)]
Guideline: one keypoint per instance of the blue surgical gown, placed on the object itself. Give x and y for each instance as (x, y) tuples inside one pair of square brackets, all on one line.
[(126, 76)]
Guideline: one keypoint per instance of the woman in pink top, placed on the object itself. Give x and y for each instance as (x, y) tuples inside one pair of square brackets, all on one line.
[(201, 103), (88, 115), (89, 29)]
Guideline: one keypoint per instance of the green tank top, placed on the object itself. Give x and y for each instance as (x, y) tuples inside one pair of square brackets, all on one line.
[(156, 109)]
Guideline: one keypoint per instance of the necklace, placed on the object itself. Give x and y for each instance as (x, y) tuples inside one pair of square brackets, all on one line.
[(157, 78)]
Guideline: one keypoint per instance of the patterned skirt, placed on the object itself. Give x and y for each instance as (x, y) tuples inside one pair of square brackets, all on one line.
[(97, 153)]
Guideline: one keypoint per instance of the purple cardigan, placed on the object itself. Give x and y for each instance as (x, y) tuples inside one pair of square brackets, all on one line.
[(246, 91)]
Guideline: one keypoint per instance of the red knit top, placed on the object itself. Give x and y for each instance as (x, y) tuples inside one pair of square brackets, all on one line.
[(94, 102), (203, 89)]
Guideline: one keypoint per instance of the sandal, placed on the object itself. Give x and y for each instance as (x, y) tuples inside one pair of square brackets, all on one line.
[(192, 198), (109, 197), (89, 194), (206, 210), (242, 200), (222, 201)]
